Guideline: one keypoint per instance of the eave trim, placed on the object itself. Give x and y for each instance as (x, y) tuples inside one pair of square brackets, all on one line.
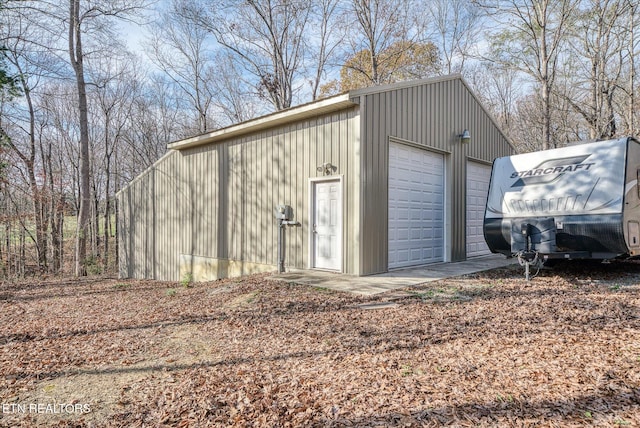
[(305, 111)]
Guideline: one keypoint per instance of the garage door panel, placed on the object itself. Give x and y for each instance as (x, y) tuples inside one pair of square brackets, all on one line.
[(478, 176), (403, 234), (416, 206), (416, 214)]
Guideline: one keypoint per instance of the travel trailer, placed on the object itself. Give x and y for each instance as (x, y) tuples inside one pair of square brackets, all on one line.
[(577, 202)]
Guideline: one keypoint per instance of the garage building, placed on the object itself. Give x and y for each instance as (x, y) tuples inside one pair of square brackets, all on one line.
[(377, 179)]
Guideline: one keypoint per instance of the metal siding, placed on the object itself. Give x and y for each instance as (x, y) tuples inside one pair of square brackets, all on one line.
[(208, 203), (217, 200), (344, 151), (202, 206), (160, 220), (145, 235), (302, 150), (140, 232), (122, 231), (295, 237), (380, 175), (431, 114)]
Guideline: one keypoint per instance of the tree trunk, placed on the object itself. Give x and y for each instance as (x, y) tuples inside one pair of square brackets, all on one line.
[(545, 80), (7, 234), (546, 124), (22, 253), (37, 195), (76, 57), (117, 240), (60, 221), (4, 258), (37, 207), (95, 222), (632, 70), (54, 232), (107, 212), (116, 208)]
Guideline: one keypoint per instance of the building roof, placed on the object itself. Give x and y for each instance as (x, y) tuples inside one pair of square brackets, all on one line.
[(327, 105), (312, 109)]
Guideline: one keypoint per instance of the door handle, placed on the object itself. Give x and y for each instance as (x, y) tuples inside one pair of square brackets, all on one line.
[(314, 228)]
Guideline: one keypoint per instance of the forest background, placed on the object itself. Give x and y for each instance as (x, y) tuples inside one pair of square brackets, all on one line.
[(91, 91)]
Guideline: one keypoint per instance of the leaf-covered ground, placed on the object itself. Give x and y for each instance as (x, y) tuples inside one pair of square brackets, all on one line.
[(483, 350)]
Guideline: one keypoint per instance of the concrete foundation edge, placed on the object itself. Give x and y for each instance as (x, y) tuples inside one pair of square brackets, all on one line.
[(209, 269)]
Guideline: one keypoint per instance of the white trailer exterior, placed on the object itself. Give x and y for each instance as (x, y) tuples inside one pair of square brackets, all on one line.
[(580, 201)]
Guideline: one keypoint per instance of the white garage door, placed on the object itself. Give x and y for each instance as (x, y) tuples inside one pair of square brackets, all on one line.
[(478, 176), (416, 206)]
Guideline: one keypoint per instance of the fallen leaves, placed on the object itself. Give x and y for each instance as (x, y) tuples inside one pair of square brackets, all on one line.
[(483, 350)]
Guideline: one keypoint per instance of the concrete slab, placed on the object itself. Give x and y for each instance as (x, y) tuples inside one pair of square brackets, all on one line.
[(402, 278)]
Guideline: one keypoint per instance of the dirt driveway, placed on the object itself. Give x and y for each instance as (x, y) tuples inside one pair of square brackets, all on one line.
[(484, 350)]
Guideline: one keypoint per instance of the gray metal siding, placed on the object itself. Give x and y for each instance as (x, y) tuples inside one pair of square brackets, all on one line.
[(431, 114), (217, 200)]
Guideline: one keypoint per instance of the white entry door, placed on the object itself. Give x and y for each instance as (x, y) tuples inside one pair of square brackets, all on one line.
[(326, 225)]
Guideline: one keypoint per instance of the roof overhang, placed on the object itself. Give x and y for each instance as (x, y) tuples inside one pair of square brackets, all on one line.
[(327, 105)]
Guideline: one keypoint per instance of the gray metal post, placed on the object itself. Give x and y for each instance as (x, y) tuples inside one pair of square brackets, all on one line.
[(280, 246)]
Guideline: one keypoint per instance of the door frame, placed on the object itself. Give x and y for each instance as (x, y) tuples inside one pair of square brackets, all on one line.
[(466, 205), (446, 207), (312, 205)]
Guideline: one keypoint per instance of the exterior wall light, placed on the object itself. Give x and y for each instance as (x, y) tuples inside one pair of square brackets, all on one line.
[(465, 137), (326, 168)]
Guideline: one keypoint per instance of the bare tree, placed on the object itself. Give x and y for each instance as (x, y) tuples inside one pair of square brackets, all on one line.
[(596, 64), (84, 17), (25, 126), (183, 52), (530, 39), (499, 89), (381, 24), (631, 34), (113, 95), (52, 177), (235, 99), (455, 27), (266, 39), (155, 118), (60, 160), (76, 57), (329, 36)]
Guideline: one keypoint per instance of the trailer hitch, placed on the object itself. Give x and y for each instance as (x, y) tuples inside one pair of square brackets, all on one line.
[(531, 240), (528, 256), (526, 259)]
